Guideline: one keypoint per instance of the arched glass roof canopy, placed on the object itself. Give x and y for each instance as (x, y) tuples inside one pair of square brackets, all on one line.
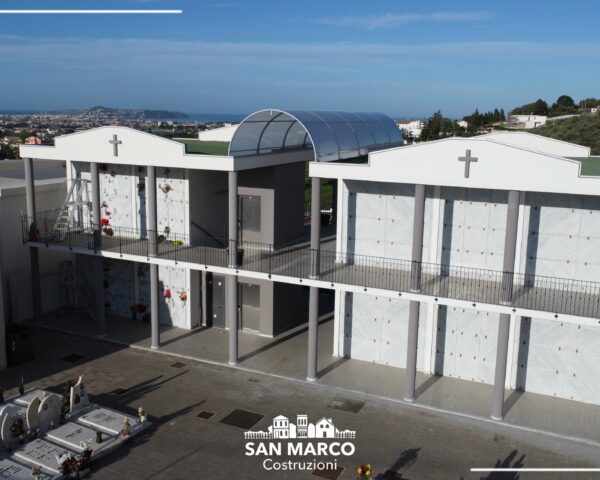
[(331, 135)]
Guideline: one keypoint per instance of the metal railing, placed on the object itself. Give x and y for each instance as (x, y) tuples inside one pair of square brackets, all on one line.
[(530, 291)]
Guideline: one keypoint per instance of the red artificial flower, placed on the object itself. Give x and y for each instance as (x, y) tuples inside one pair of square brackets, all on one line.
[(104, 222), (107, 213), (167, 293), (182, 296)]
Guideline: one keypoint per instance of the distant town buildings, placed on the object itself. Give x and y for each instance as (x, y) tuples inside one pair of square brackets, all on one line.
[(527, 121), (411, 129)]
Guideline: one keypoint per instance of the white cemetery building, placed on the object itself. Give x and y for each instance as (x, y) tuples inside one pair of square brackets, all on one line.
[(474, 258)]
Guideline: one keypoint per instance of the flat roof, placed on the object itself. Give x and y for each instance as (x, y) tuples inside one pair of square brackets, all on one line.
[(12, 175), (590, 166), (205, 147)]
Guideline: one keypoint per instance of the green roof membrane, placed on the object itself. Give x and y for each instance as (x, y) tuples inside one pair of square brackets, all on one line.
[(590, 166), (193, 145)]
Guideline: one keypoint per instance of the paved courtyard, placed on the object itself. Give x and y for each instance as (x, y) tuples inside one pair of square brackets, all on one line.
[(404, 441)]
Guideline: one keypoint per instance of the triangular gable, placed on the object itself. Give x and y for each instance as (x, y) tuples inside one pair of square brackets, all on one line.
[(133, 147), (492, 165)]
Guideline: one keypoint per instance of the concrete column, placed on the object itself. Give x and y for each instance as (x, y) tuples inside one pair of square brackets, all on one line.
[(417, 242), (313, 299), (313, 333), (99, 307), (510, 247), (152, 229), (152, 220), (231, 312), (204, 299), (231, 281), (30, 191), (96, 215), (34, 262), (154, 310), (233, 218), (334, 203), (98, 280), (315, 227), (414, 309)]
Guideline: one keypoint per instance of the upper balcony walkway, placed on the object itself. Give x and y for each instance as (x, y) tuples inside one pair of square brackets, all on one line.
[(480, 286)]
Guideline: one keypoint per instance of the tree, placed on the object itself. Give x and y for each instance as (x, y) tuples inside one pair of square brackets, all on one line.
[(539, 107), (6, 152), (589, 102), (438, 126), (564, 105)]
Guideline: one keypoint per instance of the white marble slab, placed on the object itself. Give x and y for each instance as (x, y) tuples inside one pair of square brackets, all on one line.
[(106, 420), (43, 453), (11, 470), (72, 434)]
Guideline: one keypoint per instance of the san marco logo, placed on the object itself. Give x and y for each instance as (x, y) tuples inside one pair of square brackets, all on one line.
[(300, 445)]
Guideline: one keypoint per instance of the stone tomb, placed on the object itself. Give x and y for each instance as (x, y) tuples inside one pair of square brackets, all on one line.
[(12, 470), (13, 425), (49, 412), (79, 399), (106, 420), (72, 434), (42, 453), (25, 399)]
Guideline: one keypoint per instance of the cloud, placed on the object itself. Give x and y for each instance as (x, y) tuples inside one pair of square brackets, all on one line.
[(372, 22)]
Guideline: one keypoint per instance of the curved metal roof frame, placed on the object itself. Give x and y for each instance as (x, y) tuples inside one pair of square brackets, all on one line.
[(331, 135)]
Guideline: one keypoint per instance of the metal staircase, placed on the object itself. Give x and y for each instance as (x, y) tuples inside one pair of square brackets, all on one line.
[(74, 290), (77, 202)]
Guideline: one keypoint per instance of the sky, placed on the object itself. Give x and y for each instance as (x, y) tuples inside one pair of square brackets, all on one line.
[(404, 59)]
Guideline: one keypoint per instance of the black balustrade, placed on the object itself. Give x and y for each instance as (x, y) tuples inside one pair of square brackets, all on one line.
[(529, 291)]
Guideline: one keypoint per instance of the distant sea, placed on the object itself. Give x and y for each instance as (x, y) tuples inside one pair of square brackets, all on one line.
[(193, 117), (213, 117)]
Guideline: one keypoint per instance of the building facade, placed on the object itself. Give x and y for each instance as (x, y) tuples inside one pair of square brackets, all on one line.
[(473, 258)]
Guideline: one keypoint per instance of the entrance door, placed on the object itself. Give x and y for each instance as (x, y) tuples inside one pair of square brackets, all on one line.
[(249, 306), (249, 218)]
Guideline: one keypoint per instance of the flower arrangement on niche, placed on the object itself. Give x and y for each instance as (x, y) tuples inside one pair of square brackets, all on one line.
[(183, 296), (364, 471), (126, 429), (73, 465), (142, 416), (167, 294), (166, 188)]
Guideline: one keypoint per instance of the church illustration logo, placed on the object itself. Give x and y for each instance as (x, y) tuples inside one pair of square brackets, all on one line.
[(283, 428), (300, 444)]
